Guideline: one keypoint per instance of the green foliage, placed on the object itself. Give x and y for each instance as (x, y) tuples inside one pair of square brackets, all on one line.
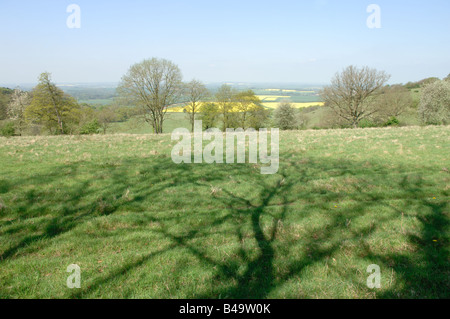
[(258, 117), (393, 121), (92, 127), (209, 114), (421, 83), (249, 105), (366, 123), (225, 98), (8, 129), (51, 107), (285, 116), (5, 97)]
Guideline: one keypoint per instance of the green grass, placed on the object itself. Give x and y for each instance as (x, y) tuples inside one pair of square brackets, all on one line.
[(140, 226), (136, 125)]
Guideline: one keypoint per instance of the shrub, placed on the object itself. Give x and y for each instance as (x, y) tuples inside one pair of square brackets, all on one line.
[(8, 130), (365, 123), (435, 103), (393, 121), (285, 116), (92, 127)]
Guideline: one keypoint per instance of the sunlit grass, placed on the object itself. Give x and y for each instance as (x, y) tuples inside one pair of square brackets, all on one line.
[(140, 226)]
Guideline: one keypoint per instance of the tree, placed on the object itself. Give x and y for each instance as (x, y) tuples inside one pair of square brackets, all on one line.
[(5, 97), (195, 92), (226, 100), (434, 105), (352, 93), (285, 116), (106, 116), (51, 107), (257, 117), (154, 85), (20, 100), (209, 113), (301, 119), (246, 102), (392, 102), (447, 78)]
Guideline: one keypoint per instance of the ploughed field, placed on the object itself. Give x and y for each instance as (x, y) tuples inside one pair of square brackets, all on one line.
[(140, 226)]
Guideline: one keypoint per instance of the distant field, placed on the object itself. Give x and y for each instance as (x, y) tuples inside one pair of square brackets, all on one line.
[(97, 101), (296, 105), (289, 91), (270, 105), (270, 98), (140, 226)]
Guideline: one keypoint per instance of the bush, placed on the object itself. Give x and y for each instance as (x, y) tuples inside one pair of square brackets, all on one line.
[(393, 121), (365, 123), (285, 116), (435, 103), (92, 127), (8, 130)]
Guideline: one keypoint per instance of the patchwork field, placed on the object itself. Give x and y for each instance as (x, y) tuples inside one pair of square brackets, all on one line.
[(270, 105), (140, 226)]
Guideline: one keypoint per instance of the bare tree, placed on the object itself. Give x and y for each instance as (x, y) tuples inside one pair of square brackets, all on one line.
[(154, 85), (352, 93), (195, 93)]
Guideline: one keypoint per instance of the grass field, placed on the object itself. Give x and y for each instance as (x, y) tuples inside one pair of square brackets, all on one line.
[(136, 125), (140, 226)]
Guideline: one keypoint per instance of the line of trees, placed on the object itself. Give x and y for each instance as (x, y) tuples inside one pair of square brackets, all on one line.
[(354, 97), (155, 85), (48, 108), (361, 94)]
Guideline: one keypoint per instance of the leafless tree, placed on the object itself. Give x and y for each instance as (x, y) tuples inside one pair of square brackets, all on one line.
[(153, 84), (352, 93)]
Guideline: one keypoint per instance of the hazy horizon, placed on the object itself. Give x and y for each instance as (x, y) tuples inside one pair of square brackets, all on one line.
[(304, 42)]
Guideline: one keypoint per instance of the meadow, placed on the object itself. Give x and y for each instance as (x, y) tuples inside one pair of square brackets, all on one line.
[(140, 226)]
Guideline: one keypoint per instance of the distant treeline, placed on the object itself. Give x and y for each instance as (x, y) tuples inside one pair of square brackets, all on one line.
[(356, 97)]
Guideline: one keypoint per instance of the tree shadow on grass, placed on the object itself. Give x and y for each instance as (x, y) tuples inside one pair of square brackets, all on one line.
[(254, 273)]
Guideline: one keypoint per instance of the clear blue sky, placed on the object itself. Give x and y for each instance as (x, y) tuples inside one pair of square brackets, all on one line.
[(219, 41)]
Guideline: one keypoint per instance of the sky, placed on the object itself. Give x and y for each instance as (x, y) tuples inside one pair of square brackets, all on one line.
[(284, 41)]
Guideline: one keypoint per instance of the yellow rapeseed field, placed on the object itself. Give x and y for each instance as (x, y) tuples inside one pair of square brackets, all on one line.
[(270, 105)]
